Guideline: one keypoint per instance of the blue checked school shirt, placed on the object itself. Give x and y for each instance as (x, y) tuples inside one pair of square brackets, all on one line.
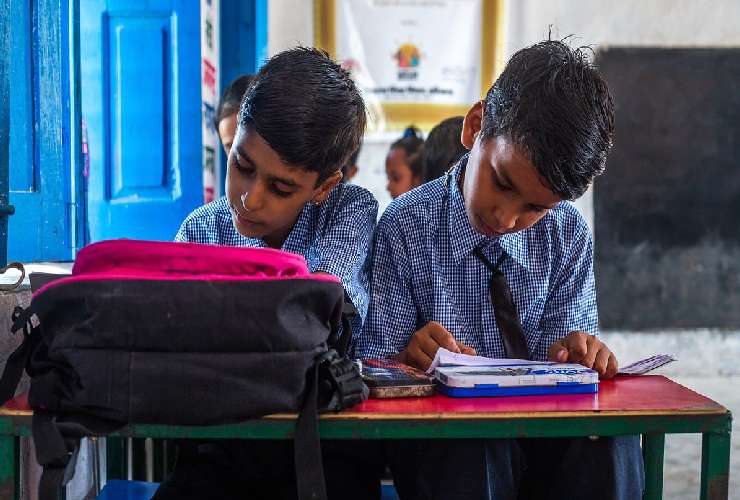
[(424, 270), (334, 237)]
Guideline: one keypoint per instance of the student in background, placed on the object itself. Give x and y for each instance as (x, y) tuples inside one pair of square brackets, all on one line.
[(283, 191), (403, 165), (442, 148), (228, 109), (539, 138)]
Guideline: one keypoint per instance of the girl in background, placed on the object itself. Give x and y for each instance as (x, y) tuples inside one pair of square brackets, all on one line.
[(403, 164)]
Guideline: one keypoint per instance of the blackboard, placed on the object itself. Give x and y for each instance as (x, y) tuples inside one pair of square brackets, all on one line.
[(667, 210)]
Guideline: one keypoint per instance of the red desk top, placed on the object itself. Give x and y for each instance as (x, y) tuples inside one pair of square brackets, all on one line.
[(638, 395), (624, 395)]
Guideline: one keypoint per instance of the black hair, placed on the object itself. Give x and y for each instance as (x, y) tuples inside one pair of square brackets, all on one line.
[(416, 163), (412, 143), (443, 147), (350, 163), (307, 108), (553, 105), (231, 98)]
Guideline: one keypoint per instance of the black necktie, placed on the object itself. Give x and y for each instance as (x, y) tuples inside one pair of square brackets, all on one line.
[(504, 310)]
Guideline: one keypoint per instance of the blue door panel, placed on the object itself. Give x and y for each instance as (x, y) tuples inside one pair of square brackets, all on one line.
[(21, 167), (39, 138), (138, 103), (140, 67)]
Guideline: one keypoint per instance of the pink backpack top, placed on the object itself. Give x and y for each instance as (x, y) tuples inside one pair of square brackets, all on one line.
[(157, 260)]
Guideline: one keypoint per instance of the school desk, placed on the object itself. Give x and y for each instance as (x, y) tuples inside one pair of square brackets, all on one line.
[(649, 405)]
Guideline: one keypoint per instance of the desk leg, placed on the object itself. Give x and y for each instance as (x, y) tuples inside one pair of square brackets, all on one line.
[(653, 446), (9, 467), (114, 452), (715, 465)]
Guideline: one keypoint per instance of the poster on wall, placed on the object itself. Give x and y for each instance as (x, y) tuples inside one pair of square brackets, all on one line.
[(210, 85), (416, 61)]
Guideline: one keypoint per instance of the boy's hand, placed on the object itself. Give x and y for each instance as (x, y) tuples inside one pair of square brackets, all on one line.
[(424, 344), (585, 349)]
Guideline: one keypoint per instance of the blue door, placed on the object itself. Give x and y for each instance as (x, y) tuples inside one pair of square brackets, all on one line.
[(140, 91), (40, 129)]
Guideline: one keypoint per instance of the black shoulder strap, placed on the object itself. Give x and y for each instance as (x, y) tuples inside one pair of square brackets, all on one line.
[(333, 383), (55, 453), (307, 445)]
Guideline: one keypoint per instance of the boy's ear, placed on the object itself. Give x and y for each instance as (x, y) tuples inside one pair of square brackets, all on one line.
[(472, 125), (325, 188)]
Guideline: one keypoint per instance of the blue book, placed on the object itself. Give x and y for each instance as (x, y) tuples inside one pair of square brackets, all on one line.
[(516, 380)]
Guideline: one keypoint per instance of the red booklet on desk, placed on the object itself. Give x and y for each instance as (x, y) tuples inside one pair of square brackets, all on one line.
[(390, 379)]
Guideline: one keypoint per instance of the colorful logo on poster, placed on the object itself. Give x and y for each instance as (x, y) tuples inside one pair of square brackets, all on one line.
[(407, 58)]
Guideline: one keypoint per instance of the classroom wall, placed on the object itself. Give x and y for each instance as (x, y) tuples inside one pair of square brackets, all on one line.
[(625, 23)]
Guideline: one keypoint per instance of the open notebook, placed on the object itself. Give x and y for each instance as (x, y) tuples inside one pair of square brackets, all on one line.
[(449, 358)]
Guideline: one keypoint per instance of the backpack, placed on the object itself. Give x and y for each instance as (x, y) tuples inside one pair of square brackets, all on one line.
[(183, 334)]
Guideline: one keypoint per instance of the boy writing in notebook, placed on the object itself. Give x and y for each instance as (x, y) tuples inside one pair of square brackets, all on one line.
[(300, 120), (492, 260)]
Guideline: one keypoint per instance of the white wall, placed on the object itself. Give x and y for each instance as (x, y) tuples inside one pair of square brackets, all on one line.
[(598, 23), (289, 23), (672, 23)]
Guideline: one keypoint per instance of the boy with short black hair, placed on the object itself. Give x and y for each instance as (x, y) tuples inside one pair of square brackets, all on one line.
[(540, 137), (300, 120)]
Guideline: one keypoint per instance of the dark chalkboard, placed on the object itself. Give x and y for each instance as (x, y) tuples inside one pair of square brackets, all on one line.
[(667, 210)]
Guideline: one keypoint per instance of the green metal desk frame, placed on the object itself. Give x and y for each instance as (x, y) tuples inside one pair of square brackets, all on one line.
[(714, 427)]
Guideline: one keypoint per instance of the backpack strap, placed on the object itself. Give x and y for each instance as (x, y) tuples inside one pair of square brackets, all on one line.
[(334, 383), (307, 445), (55, 453), (18, 360)]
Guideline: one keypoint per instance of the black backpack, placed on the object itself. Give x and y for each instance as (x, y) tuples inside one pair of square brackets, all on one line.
[(181, 334)]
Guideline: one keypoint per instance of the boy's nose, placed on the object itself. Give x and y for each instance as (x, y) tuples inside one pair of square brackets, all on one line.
[(506, 219), (251, 200)]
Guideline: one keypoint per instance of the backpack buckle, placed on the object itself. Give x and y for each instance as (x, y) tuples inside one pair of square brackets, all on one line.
[(22, 320), (340, 382)]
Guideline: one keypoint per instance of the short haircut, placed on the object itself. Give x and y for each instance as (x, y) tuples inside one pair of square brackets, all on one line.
[(307, 108), (553, 105), (412, 143), (443, 147), (231, 98)]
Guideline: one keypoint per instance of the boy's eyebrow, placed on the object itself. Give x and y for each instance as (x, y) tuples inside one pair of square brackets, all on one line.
[(507, 180), (283, 180), (271, 177), (505, 177)]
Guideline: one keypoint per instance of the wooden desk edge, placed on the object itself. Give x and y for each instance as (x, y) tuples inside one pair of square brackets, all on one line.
[(353, 415)]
